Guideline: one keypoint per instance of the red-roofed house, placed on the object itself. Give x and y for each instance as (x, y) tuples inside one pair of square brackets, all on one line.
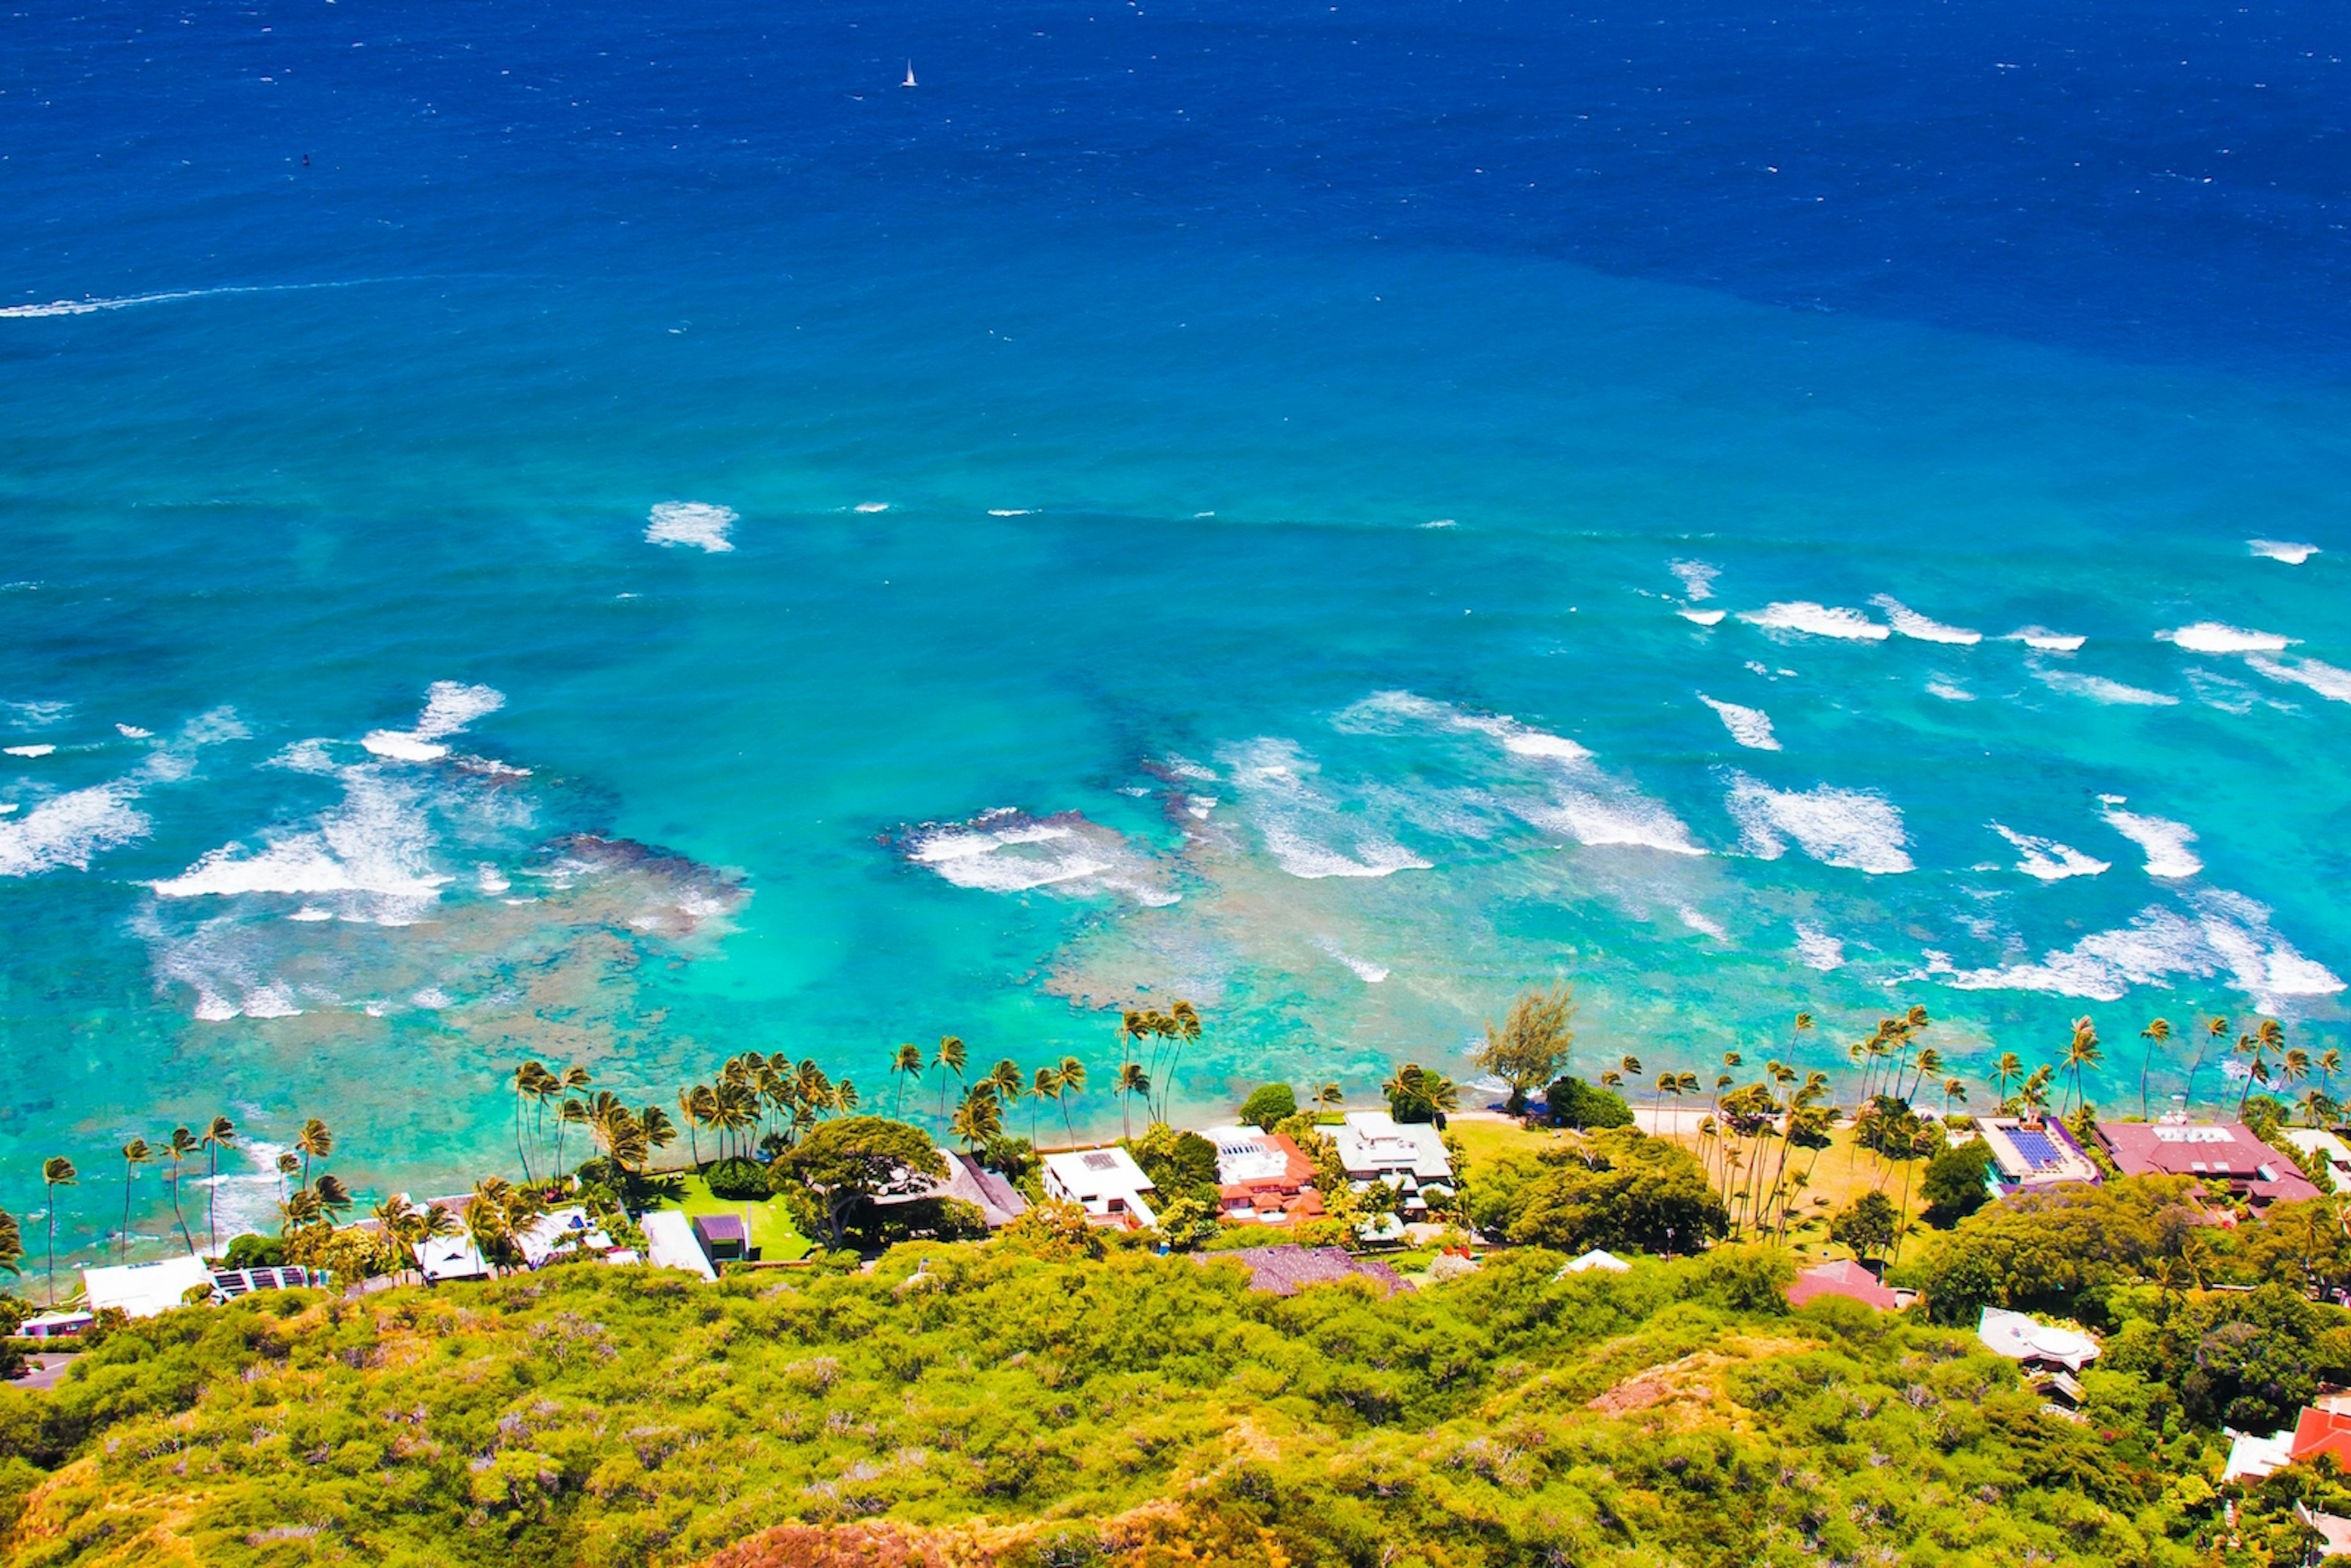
[(1844, 1278), (1263, 1177), (2224, 1156), (2322, 1432)]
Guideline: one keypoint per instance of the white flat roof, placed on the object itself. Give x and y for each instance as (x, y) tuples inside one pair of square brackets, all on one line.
[(1098, 1172), (144, 1289), (452, 1257), (1373, 1141), (1245, 1155)]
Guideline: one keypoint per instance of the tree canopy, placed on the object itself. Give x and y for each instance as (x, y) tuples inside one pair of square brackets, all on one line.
[(845, 1163), (1530, 1047)]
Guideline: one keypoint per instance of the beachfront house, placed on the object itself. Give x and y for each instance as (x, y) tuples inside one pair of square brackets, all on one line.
[(2033, 1154), (1106, 1183), (2317, 1142), (562, 1232), (670, 1242), (1262, 1176), (452, 1257), (967, 1181), (2224, 1158), (1409, 1156), (55, 1326), (145, 1289)]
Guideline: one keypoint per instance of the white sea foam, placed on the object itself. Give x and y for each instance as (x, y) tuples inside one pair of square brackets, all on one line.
[(2045, 640), (2097, 688), (2326, 680), (1910, 624), (695, 523), (132, 732), (2211, 637), (1598, 821), (1703, 617), (2227, 934), (1307, 834), (433, 998), (872, 506), (69, 830), (1524, 742), (1808, 619), (1696, 578), (491, 880), (451, 705), (2279, 549), (304, 757), (2166, 842), (1950, 692), (400, 746), (1700, 924), (1371, 974), (2049, 859), (28, 750), (36, 714), (1818, 949), (1433, 523), (1007, 851), (310, 914), (6, 807), (1197, 806), (1010, 511), (1853, 829), (376, 846), (89, 307), (1750, 726)]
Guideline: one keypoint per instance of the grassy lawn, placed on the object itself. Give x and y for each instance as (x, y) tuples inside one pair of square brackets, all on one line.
[(1487, 1140), (771, 1224), (1842, 1174)]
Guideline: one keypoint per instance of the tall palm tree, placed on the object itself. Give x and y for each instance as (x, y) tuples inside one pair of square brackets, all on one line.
[(735, 1109), (2083, 1053), (1009, 1085), (1072, 1074), (134, 1153), (1045, 1085), (1182, 1028), (1131, 1081), (315, 1141), (2010, 1066), (526, 1082), (183, 1144), (687, 1108), (2157, 1032), (1955, 1092), (2216, 1030), (56, 1171), (658, 1130), (219, 1132), (2266, 1036), (1330, 1097), (951, 1057), (907, 1066), (573, 1079)]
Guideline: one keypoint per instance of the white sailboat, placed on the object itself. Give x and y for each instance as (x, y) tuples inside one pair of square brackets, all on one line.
[(910, 75)]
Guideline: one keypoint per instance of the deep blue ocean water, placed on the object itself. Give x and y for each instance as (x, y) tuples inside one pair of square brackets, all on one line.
[(1224, 502)]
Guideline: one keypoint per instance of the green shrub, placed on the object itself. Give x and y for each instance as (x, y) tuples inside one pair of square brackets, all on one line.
[(251, 1251), (1576, 1103), (1270, 1105), (738, 1181)]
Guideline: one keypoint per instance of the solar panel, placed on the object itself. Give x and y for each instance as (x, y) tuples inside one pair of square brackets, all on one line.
[(1101, 1162), (2040, 1151)]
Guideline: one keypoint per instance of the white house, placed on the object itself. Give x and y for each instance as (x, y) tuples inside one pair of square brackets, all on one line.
[(561, 1230), (2329, 1148), (670, 1242), (2020, 1338), (1409, 1156), (1106, 1183), (452, 1257), (144, 1289)]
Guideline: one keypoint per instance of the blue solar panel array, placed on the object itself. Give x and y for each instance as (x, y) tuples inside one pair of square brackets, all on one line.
[(2040, 1151)]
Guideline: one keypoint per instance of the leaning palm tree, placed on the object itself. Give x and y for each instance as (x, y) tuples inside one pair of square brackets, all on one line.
[(288, 1166), (905, 1067), (2157, 1032), (134, 1153), (219, 1134), (2265, 1036), (689, 1107), (11, 1244), (1955, 1094), (183, 1143), (951, 1057), (1072, 1074), (1131, 1081), (56, 1171), (2083, 1053), (1045, 1085), (1330, 1097), (2010, 1066), (659, 1131), (315, 1141), (526, 1082)]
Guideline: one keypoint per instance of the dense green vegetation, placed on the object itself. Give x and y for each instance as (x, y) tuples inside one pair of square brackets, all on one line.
[(1053, 1397)]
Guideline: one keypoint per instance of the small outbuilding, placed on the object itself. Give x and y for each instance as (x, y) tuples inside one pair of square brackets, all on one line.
[(2035, 1345), (1607, 1262), (1847, 1279), (670, 1243), (723, 1237)]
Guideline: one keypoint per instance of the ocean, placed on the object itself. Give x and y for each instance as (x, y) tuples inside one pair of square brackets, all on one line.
[(623, 539)]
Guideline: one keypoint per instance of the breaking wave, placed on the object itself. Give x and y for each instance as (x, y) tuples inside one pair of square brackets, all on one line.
[(1912, 625), (1853, 829), (1008, 851), (2326, 680), (2046, 640), (1811, 619), (2226, 934), (696, 523), (2099, 689), (2049, 859), (2211, 637), (2279, 549), (2166, 842), (1750, 726)]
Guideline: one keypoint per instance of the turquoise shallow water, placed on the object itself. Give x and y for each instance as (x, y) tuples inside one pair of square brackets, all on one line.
[(1129, 592)]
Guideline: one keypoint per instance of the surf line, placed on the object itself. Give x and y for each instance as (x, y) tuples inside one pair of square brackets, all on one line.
[(88, 306)]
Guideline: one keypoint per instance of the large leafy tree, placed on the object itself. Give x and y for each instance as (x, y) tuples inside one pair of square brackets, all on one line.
[(1621, 1189), (847, 1163), (1531, 1046)]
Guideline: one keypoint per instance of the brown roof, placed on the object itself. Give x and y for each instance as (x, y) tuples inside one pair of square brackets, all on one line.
[(2224, 1155), (1286, 1271)]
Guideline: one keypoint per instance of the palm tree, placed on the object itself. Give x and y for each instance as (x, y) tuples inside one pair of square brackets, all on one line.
[(2010, 1066), (2157, 1032), (658, 1130), (2216, 1028), (134, 1153), (1182, 1028), (734, 1109), (1045, 1085), (12, 1243), (907, 1065), (1072, 1074), (331, 1196), (1955, 1092), (219, 1134), (2083, 1053), (574, 1077), (1330, 1097), (183, 1143), (2266, 1036), (952, 1056), (980, 1120), (690, 1108), (56, 1171), (313, 1143), (526, 1082), (1131, 1081), (287, 1166)]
